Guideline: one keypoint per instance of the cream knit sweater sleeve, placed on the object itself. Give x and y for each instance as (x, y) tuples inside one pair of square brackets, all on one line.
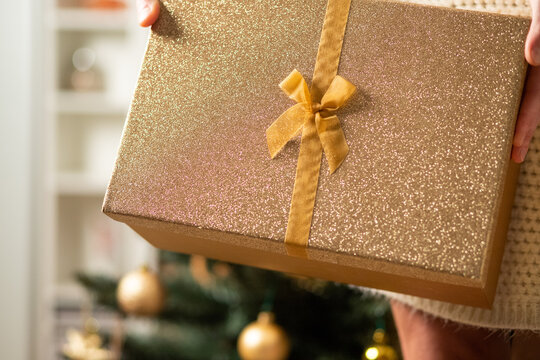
[(517, 300), (512, 7)]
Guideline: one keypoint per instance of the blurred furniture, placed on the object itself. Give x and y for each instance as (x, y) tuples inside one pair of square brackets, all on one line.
[(92, 52)]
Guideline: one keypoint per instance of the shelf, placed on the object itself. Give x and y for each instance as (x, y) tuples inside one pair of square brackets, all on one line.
[(92, 20), (79, 148), (73, 102), (70, 294), (80, 184)]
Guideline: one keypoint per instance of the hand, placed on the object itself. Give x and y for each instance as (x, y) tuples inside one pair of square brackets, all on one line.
[(148, 12), (529, 113)]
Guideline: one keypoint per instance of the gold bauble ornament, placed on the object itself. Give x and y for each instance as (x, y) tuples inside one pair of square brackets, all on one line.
[(86, 344), (263, 340), (140, 292), (380, 350)]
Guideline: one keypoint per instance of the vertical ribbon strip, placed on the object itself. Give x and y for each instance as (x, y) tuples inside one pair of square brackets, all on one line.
[(314, 115)]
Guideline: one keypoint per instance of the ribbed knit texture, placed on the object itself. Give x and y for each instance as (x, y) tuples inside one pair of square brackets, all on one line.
[(517, 300), (512, 7)]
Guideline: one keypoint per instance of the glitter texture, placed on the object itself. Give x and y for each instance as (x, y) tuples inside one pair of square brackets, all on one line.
[(429, 128)]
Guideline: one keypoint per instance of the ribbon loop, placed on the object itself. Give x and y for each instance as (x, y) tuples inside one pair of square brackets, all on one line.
[(339, 91), (296, 88)]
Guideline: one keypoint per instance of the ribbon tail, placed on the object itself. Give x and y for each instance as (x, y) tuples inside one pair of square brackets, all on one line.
[(332, 139), (305, 189), (284, 128)]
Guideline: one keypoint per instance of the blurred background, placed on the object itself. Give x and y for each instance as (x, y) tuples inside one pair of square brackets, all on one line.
[(68, 69)]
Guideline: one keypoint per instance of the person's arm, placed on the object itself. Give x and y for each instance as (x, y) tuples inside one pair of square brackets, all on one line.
[(529, 112)]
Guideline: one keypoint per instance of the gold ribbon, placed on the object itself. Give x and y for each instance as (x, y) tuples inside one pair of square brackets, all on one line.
[(314, 116)]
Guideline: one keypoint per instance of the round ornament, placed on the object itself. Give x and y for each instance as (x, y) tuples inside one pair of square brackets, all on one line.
[(140, 292), (263, 340)]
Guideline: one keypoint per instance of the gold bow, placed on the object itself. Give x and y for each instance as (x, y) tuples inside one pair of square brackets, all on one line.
[(329, 131)]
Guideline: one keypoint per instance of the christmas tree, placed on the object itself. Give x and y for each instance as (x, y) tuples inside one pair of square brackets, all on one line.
[(207, 304)]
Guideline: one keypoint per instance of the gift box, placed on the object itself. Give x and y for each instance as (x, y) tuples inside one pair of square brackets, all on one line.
[(365, 142)]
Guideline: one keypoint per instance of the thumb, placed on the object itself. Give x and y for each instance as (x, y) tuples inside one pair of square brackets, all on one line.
[(532, 44), (148, 11)]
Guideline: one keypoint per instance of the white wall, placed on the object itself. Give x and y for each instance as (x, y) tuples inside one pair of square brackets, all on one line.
[(16, 152)]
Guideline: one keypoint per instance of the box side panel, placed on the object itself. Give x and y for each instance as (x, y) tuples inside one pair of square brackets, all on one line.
[(469, 294), (344, 268)]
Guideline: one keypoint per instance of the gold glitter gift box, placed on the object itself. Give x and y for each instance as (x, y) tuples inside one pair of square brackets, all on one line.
[(419, 198)]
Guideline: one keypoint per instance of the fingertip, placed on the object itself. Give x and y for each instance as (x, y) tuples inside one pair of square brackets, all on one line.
[(532, 45), (149, 13), (518, 154), (515, 158), (529, 52)]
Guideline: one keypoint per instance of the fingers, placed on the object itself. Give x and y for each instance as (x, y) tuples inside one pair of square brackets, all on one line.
[(532, 44), (529, 115), (147, 12)]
